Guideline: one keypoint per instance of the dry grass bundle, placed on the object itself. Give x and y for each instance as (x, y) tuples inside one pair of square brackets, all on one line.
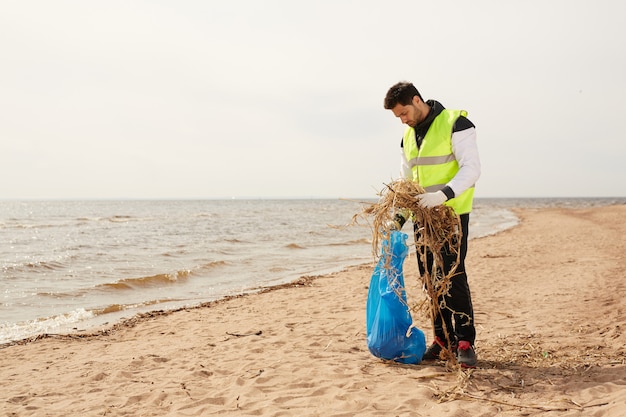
[(435, 229)]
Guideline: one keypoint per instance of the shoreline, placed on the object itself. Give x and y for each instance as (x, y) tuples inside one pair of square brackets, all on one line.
[(125, 322), (95, 310), (299, 348), (104, 324), (100, 321), (92, 320)]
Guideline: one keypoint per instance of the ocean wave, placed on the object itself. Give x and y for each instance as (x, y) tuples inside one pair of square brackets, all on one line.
[(497, 221), (66, 322), (87, 219), (209, 266), (235, 240), (360, 241), (205, 215), (28, 226), (35, 266), (148, 281), (120, 219), (136, 284), (294, 246), (116, 308), (21, 330), (278, 269), (116, 218)]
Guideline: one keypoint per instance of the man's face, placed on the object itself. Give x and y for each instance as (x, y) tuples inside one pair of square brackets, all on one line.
[(411, 114)]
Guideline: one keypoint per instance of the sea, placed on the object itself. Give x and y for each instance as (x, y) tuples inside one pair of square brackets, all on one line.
[(71, 266)]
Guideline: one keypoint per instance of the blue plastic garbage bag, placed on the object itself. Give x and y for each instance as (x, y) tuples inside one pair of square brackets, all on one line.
[(387, 314)]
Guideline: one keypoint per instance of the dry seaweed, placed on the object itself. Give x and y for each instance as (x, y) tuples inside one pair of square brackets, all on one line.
[(435, 228)]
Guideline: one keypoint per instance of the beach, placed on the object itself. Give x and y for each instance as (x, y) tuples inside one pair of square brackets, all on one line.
[(550, 315)]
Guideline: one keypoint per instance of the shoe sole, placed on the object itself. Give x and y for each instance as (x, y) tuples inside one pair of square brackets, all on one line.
[(466, 366)]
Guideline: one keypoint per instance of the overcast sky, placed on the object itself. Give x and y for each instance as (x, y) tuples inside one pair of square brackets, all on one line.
[(284, 98)]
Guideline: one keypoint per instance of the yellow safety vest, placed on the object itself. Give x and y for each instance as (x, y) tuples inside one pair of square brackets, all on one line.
[(433, 164)]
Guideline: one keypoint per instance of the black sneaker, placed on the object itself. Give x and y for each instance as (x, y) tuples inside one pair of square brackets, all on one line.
[(465, 354), (434, 351)]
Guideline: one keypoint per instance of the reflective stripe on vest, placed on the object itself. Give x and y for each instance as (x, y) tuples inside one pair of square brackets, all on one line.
[(433, 164)]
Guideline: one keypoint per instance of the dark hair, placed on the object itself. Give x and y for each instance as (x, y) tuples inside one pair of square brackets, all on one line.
[(401, 93)]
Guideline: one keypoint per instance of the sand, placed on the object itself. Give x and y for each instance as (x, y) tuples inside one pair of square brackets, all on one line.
[(550, 311)]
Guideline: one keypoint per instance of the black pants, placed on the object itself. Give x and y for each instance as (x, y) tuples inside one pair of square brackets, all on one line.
[(458, 304)]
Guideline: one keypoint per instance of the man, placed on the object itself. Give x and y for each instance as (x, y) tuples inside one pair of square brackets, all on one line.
[(439, 151)]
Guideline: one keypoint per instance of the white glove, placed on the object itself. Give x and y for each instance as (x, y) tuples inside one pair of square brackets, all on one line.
[(430, 200)]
